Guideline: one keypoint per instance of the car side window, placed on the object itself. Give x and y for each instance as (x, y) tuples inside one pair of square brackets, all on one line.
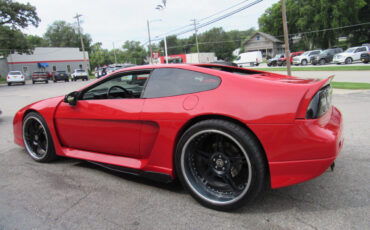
[(165, 82), (362, 49), (122, 85)]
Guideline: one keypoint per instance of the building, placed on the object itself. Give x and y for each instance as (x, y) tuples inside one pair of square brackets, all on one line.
[(48, 59), (266, 43), (192, 58)]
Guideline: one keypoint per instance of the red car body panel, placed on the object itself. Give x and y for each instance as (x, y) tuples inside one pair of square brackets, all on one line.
[(142, 133)]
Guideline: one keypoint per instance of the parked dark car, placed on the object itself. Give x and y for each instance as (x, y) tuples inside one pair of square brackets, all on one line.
[(40, 77), (365, 57), (325, 56), (273, 61), (60, 76)]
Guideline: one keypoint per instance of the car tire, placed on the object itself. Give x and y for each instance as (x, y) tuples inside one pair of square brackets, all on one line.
[(33, 82), (221, 164), (322, 62), (268, 64), (348, 60), (46, 82), (24, 83), (304, 62), (9, 84), (37, 138)]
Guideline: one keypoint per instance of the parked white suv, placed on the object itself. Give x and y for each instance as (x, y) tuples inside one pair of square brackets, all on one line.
[(304, 58), (79, 74), (350, 55), (15, 77)]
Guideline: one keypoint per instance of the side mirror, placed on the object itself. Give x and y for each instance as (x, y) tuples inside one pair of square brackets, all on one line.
[(71, 98)]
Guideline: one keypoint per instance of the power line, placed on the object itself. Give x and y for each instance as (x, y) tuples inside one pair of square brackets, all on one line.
[(222, 17), (215, 19), (221, 11), (327, 29)]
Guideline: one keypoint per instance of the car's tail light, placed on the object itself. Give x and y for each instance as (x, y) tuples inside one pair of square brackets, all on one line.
[(8, 77), (320, 103), (22, 77)]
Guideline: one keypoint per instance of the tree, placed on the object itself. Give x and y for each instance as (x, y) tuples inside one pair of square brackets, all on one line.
[(173, 45), (36, 41), (13, 17), (218, 41), (134, 52), (98, 56), (305, 16), (63, 34), (17, 15)]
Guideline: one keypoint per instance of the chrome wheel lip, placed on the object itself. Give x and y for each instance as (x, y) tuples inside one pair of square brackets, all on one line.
[(26, 144), (215, 202)]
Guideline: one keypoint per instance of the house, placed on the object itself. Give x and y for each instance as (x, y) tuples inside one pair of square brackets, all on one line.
[(48, 59), (266, 43)]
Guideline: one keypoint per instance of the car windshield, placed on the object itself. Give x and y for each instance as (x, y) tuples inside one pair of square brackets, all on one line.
[(305, 53), (350, 50), (14, 73)]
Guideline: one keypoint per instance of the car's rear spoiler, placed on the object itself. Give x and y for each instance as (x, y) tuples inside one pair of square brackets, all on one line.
[(312, 90)]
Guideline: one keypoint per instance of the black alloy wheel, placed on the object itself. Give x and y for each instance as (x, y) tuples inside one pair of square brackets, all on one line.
[(322, 62), (37, 138), (221, 164)]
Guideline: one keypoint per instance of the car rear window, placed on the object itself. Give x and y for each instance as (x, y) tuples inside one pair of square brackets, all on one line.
[(166, 82), (14, 73), (61, 71), (80, 70)]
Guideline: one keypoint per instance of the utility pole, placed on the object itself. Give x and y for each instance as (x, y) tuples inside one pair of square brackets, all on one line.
[(150, 44), (82, 42), (196, 37), (114, 52), (165, 48), (286, 38)]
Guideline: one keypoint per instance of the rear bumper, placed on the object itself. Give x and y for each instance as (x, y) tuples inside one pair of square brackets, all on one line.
[(15, 80), (80, 77), (303, 150), (40, 79), (61, 78)]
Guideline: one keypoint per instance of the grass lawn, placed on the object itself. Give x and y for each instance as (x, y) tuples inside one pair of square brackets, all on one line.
[(2, 80), (350, 85), (321, 68)]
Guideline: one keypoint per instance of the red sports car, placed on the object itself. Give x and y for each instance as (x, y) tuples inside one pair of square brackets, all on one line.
[(226, 133)]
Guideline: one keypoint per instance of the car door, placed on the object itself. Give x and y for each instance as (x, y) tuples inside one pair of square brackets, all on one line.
[(358, 53), (330, 56), (106, 117)]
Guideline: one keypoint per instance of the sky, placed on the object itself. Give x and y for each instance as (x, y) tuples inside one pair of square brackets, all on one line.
[(115, 21)]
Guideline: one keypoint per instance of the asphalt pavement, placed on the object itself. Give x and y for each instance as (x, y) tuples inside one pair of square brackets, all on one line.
[(74, 194)]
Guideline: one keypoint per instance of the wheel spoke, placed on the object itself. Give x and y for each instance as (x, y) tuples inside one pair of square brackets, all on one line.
[(203, 154), (218, 142), (229, 181)]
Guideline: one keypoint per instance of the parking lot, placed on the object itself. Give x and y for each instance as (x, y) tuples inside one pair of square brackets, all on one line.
[(74, 194)]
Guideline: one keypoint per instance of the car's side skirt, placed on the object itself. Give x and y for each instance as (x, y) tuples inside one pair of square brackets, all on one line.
[(160, 177)]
